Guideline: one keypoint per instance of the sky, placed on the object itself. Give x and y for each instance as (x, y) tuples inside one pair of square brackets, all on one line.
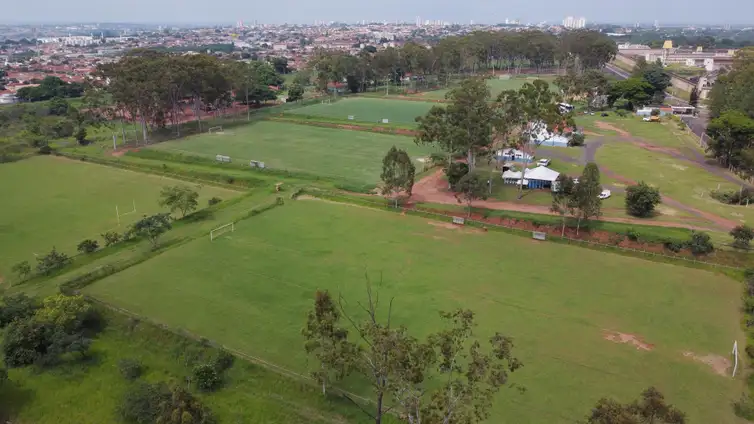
[(732, 12)]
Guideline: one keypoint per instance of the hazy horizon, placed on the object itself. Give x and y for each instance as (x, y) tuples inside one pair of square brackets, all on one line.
[(733, 12)]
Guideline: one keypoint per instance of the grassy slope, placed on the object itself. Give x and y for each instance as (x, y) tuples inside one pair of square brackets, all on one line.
[(52, 201), (368, 110), (89, 393), (352, 155), (264, 275)]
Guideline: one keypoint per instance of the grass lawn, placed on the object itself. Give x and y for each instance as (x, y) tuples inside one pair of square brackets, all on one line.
[(665, 133), (364, 109), (252, 289), (90, 392), (350, 155), (677, 179), (496, 86), (50, 201)]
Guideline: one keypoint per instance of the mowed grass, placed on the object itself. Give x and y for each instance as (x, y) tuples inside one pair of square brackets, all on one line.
[(368, 110), (51, 201), (251, 290), (342, 154), (680, 180), (496, 86)]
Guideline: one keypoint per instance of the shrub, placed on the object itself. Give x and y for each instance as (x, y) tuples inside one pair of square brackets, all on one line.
[(744, 408), (641, 199), (45, 150), (88, 246), (142, 402), (111, 238), (742, 236), (700, 243), (750, 351), (206, 377), (52, 262), (213, 201), (230, 180), (632, 234), (622, 113), (655, 112), (673, 245), (15, 307), (576, 140), (223, 361), (130, 369), (22, 269)]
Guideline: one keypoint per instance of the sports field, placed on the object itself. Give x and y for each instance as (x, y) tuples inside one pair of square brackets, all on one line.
[(51, 201), (368, 110), (252, 289), (350, 155), (496, 85)]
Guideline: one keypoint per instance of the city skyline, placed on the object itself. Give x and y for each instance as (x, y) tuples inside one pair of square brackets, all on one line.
[(300, 12)]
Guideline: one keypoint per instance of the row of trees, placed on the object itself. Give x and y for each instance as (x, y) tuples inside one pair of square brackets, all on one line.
[(451, 376), (49, 88), (731, 129), (463, 55), (158, 88)]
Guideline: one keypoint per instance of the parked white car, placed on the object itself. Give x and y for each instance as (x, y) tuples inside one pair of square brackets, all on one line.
[(605, 194), (543, 162), (646, 119)]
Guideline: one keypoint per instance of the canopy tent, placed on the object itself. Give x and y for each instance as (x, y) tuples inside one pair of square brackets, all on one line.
[(539, 177)]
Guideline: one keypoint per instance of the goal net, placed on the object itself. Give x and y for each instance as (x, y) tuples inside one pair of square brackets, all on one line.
[(214, 130), (223, 229)]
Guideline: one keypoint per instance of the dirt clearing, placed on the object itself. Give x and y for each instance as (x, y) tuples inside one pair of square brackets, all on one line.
[(625, 338), (718, 363), (605, 126), (451, 226)]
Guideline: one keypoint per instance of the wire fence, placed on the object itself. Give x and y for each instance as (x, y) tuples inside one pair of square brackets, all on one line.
[(454, 218)]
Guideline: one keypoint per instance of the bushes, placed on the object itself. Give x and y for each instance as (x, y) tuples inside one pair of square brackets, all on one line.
[(130, 369), (52, 261), (213, 201), (150, 403), (742, 236), (111, 238), (700, 243), (641, 199), (576, 140), (88, 246), (733, 197), (223, 361), (17, 307), (207, 378)]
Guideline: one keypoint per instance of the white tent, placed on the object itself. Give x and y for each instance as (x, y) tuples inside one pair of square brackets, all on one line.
[(539, 177)]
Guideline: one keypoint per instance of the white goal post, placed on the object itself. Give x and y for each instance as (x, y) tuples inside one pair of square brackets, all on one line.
[(217, 232), (735, 357), (118, 214), (216, 129)]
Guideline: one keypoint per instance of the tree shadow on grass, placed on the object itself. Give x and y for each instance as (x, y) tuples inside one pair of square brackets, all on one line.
[(13, 398)]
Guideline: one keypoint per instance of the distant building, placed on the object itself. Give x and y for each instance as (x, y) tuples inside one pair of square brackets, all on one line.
[(574, 23)]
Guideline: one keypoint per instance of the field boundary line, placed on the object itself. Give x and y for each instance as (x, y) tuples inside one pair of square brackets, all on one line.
[(249, 358), (448, 217)]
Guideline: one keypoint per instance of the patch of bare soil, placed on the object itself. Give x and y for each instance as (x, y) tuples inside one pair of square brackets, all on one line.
[(605, 126), (718, 363), (119, 153), (625, 338), (451, 226)]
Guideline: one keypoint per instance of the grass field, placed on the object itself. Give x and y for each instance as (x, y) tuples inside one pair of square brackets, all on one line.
[(678, 179), (251, 291), (497, 86), (350, 155), (50, 201), (90, 392), (364, 109)]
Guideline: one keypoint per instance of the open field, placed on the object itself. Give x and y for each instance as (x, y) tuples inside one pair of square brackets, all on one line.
[(50, 201), (251, 290), (681, 180), (349, 155), (496, 85), (90, 392), (364, 109)]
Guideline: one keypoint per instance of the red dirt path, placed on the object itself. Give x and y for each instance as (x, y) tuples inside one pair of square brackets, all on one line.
[(433, 189)]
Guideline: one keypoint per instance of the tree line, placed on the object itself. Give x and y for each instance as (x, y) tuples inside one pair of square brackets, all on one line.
[(731, 104), (470, 54), (157, 88)]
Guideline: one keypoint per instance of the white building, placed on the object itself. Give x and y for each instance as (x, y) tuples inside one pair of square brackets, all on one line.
[(574, 23)]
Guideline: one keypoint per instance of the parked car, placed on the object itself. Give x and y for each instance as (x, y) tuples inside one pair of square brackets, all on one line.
[(646, 119), (605, 194), (543, 162)]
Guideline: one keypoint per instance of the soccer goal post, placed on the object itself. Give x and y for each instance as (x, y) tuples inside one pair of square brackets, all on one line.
[(118, 213), (735, 357), (223, 229), (216, 129)]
